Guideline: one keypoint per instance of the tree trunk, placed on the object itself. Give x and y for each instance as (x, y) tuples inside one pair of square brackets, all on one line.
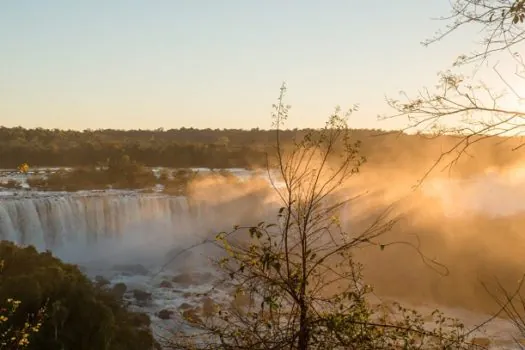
[(303, 327)]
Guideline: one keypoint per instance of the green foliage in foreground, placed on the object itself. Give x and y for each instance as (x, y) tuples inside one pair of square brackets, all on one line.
[(302, 286), (17, 337), (79, 315)]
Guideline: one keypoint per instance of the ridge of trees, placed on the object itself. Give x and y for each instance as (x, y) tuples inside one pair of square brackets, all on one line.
[(226, 148)]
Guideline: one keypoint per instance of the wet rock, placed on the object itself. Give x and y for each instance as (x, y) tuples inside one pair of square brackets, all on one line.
[(241, 300), (119, 290), (208, 306), (165, 314), (165, 284), (185, 306), (183, 279), (192, 316), (132, 269), (101, 281), (141, 295)]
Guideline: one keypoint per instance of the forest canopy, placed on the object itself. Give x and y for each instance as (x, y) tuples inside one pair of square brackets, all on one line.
[(227, 148)]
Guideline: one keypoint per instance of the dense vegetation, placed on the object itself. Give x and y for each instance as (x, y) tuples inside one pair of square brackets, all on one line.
[(119, 173), (184, 148), (17, 337), (78, 314)]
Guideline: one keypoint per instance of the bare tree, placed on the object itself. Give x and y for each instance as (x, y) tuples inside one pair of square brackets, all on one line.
[(461, 105), (500, 24), (471, 110), (299, 282)]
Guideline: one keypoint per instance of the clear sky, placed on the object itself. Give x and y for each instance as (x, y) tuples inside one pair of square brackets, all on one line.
[(212, 63)]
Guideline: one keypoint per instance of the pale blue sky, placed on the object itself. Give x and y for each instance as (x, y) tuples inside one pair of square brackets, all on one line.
[(218, 64)]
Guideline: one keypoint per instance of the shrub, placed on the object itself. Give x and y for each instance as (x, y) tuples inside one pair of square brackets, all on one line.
[(295, 281), (79, 315), (19, 336), (10, 184)]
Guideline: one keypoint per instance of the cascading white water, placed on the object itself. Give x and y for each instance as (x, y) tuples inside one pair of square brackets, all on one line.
[(50, 222), (119, 227), (105, 228)]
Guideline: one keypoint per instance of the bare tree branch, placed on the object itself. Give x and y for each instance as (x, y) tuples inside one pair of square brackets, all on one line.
[(304, 287)]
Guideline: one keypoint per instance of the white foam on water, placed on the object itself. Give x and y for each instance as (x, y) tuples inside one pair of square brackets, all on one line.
[(100, 229)]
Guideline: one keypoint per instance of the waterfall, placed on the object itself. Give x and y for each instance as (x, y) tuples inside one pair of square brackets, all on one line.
[(53, 221), (97, 226), (80, 228)]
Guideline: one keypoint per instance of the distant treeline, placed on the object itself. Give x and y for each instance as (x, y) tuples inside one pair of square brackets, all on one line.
[(188, 147)]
